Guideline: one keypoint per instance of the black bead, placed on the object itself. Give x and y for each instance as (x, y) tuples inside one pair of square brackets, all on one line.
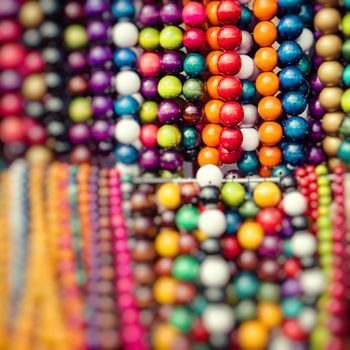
[(209, 195), (210, 246), (300, 222), (190, 155), (288, 183), (62, 147)]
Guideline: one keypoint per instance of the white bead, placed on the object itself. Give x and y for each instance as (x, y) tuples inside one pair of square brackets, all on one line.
[(280, 343), (247, 43), (247, 68), (306, 40), (128, 169), (303, 244), (308, 318), (125, 34), (209, 175), (214, 272), (127, 83), (127, 131), (250, 139), (250, 115), (294, 203), (218, 318), (212, 222), (257, 71), (312, 282)]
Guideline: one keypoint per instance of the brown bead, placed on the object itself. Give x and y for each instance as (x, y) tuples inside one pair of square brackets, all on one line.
[(77, 85), (143, 251), (330, 98), (330, 73), (106, 303), (38, 154), (144, 274), (144, 226), (247, 260), (106, 320), (105, 287), (189, 192), (167, 219), (34, 87), (328, 20), (141, 201), (332, 3), (185, 292), (269, 270), (109, 339), (331, 145), (144, 297), (147, 318), (163, 266), (331, 122), (181, 342), (31, 14), (188, 244), (329, 47), (80, 154), (107, 272)]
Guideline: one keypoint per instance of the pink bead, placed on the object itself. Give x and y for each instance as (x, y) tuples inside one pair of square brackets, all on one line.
[(149, 64), (34, 63), (117, 221), (120, 233), (124, 285), (10, 30), (125, 301), (194, 14), (121, 246), (148, 135), (11, 104), (130, 316), (131, 334), (12, 56)]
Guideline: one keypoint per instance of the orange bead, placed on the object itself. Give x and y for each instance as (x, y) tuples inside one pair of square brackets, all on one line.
[(270, 108), (270, 314), (266, 59), (212, 8), (212, 86), (212, 62), (211, 135), (212, 38), (270, 133), (208, 155), (212, 109), (265, 10), (270, 156), (267, 83), (264, 171), (265, 33)]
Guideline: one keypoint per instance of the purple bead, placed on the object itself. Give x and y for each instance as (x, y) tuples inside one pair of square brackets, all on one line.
[(232, 174), (149, 159), (77, 60), (100, 129), (291, 288), (316, 61), (315, 155), (171, 160), (171, 62), (317, 34), (316, 132), (171, 13), (315, 108), (318, 7), (96, 7), (10, 81), (149, 15), (105, 147), (149, 88), (316, 84), (79, 133), (192, 114), (99, 55), (100, 80), (97, 30), (168, 112), (287, 228), (270, 246), (8, 8), (102, 106)]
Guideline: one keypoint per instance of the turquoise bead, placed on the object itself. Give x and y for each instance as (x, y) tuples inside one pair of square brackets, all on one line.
[(182, 318), (194, 65), (291, 307), (346, 76), (190, 137), (344, 151), (246, 285)]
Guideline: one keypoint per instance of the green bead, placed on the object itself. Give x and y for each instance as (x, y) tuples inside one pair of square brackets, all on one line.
[(167, 174), (345, 101), (346, 24), (344, 151), (231, 295), (193, 89), (75, 36), (169, 87), (201, 346), (291, 307), (149, 38), (187, 217), (304, 64), (324, 235), (181, 318), (168, 136), (191, 138), (346, 76), (324, 222), (149, 111), (199, 304), (186, 268), (324, 190), (326, 260), (324, 210), (171, 38), (346, 50), (325, 247), (245, 310), (269, 292), (319, 337), (321, 170), (246, 285), (248, 209), (344, 129), (325, 200), (232, 194), (323, 180), (80, 109), (287, 248)]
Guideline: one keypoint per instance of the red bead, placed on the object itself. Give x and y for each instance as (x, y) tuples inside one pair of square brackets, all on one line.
[(229, 38), (188, 244), (11, 104), (148, 135), (312, 177), (36, 135), (231, 113), (199, 333), (34, 63), (10, 30), (229, 11), (230, 88), (230, 247), (292, 267), (293, 330), (12, 56), (229, 63), (336, 343), (194, 39), (231, 138), (270, 219), (269, 270), (300, 172), (149, 64), (310, 168), (229, 157), (12, 130)]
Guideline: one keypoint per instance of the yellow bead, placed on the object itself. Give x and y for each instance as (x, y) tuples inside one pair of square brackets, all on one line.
[(253, 335), (267, 194), (167, 243), (269, 314), (164, 290), (164, 336), (169, 195), (250, 235)]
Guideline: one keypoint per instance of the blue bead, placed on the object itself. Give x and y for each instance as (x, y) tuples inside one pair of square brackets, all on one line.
[(296, 128), (290, 27), (124, 58), (304, 88), (249, 163), (194, 65), (248, 91), (126, 154), (246, 18), (126, 105), (280, 170), (190, 137), (291, 78), (123, 9), (344, 151), (289, 53), (294, 103), (294, 153), (306, 13), (289, 6), (304, 64), (233, 221)]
